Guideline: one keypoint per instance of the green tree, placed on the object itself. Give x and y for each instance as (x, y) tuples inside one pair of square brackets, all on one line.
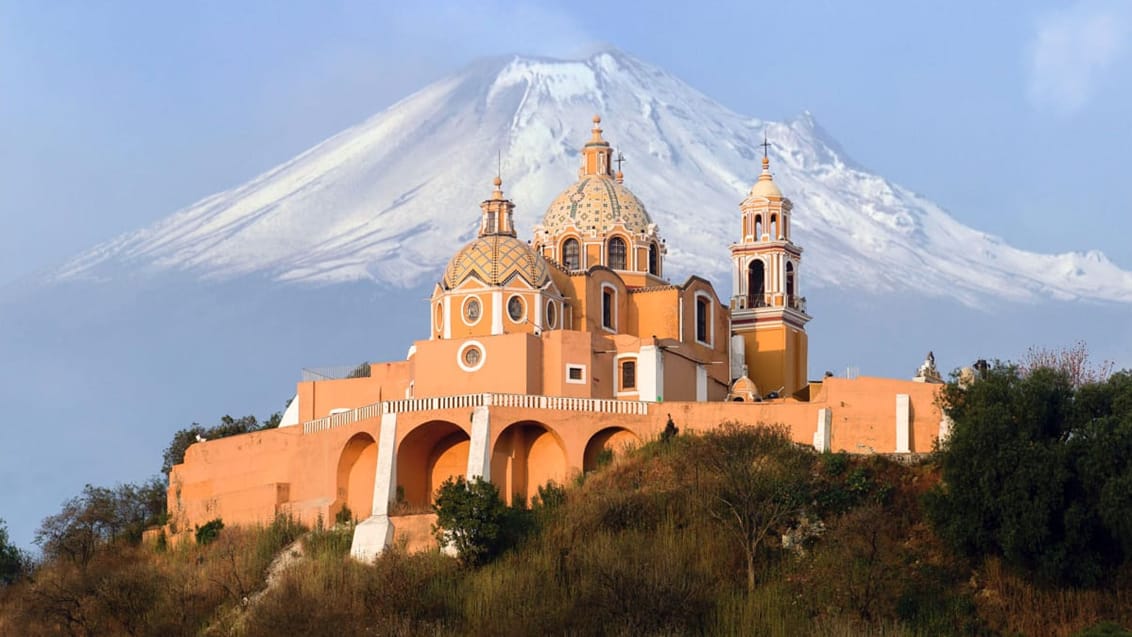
[(11, 558), (175, 453), (472, 518), (1038, 470), (100, 515), (758, 484)]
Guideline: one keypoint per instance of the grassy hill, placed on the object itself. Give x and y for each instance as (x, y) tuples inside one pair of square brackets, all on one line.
[(725, 533)]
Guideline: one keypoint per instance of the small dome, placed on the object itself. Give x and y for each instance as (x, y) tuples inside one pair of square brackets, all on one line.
[(598, 201), (765, 186), (493, 259)]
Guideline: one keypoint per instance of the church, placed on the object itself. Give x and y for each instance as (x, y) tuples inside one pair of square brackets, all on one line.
[(542, 357)]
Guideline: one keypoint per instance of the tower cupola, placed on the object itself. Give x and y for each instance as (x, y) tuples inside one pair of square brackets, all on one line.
[(498, 213)]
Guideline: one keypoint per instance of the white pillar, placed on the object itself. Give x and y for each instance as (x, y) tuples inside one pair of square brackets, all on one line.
[(479, 449), (497, 312), (701, 383), (903, 423), (738, 355), (945, 423), (825, 430), (375, 533), (650, 373)]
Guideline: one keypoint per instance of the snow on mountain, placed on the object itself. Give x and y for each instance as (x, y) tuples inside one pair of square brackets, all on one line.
[(393, 197)]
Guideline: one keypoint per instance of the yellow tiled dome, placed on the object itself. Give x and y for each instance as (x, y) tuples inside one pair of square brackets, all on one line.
[(493, 259), (596, 201)]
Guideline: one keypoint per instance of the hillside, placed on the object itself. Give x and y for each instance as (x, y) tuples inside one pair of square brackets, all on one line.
[(635, 548)]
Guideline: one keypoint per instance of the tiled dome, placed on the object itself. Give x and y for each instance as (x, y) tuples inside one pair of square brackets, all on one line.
[(598, 201), (493, 259)]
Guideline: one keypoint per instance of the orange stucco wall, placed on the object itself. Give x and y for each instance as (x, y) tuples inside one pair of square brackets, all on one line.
[(250, 478)]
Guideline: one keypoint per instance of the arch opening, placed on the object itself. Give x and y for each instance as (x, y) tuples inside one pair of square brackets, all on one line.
[(430, 454), (526, 456), (654, 260), (756, 284), (357, 466), (790, 283), (608, 443)]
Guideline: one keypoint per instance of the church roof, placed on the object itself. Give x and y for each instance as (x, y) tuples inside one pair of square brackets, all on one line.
[(493, 259), (599, 202)]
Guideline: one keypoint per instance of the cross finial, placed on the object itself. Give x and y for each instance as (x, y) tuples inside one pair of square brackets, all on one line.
[(620, 158), (765, 145)]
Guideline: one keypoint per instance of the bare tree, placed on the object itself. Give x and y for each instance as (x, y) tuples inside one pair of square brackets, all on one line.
[(757, 483), (1073, 360)]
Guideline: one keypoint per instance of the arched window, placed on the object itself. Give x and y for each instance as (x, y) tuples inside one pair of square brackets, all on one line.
[(489, 225), (790, 284), (654, 259), (571, 255), (616, 259), (773, 227), (756, 284), (758, 227), (703, 317)]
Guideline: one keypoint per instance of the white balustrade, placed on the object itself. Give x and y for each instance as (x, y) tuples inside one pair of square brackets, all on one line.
[(468, 401)]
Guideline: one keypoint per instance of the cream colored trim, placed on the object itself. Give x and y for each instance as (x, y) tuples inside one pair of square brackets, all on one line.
[(582, 380)]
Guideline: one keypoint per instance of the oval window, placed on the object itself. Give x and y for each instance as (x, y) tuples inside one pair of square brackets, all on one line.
[(551, 315), (515, 308), (472, 310)]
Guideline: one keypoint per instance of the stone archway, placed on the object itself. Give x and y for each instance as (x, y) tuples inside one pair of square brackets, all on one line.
[(357, 465), (614, 439), (526, 456), (430, 454)]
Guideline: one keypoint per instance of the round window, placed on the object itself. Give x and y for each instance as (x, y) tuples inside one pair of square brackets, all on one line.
[(472, 356), (551, 315), (515, 308), (472, 310)]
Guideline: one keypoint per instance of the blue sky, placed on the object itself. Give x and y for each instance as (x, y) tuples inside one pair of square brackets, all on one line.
[(1013, 116)]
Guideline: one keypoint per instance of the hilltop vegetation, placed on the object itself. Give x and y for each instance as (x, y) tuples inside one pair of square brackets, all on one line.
[(1019, 525)]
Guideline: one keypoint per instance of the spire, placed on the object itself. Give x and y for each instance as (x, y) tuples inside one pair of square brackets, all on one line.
[(497, 217), (597, 155)]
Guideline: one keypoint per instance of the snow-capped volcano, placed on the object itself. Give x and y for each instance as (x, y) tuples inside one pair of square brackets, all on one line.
[(392, 198)]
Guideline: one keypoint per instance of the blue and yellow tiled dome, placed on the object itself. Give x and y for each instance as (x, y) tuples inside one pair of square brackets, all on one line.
[(496, 255), (598, 201), (493, 259)]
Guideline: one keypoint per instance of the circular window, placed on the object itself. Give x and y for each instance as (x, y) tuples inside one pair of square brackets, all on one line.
[(471, 356), (472, 310), (551, 315), (515, 308)]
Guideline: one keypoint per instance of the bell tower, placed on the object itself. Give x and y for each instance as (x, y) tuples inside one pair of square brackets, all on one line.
[(768, 315)]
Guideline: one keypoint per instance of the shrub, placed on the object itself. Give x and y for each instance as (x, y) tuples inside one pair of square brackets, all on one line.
[(207, 533)]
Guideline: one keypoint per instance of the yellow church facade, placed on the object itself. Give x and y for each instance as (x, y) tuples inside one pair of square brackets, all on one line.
[(544, 355)]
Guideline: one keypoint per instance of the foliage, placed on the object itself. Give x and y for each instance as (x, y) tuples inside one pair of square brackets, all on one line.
[(1038, 470), (344, 516), (760, 484), (1073, 361), (12, 561), (175, 453), (100, 515), (209, 531), (472, 518)]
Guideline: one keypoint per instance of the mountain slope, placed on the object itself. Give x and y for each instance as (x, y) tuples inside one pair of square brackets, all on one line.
[(393, 197)]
